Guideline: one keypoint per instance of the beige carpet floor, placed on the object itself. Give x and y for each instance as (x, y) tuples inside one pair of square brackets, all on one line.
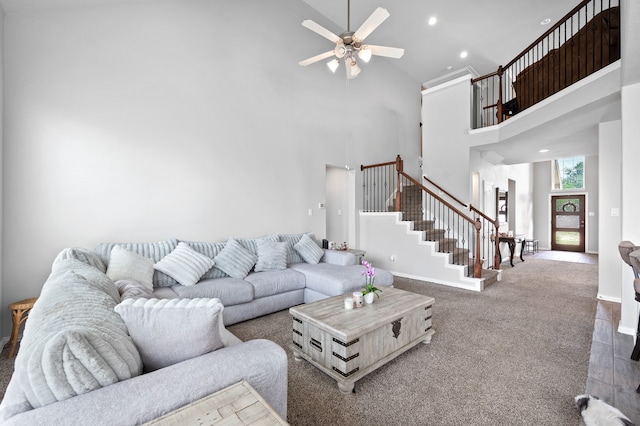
[(517, 353)]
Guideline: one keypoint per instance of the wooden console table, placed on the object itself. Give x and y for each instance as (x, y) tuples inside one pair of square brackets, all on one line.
[(511, 242)]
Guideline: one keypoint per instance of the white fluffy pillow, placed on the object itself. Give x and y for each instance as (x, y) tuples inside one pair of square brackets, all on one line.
[(168, 331), (127, 265), (185, 265)]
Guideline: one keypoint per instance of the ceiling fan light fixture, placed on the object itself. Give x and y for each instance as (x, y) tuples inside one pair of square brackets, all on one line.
[(340, 50), (364, 53), (349, 43), (333, 65), (352, 69)]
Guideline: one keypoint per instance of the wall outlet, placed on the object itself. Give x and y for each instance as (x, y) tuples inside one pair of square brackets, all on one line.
[(321, 205), (615, 212)]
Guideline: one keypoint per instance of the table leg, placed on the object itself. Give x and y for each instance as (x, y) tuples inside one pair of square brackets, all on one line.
[(512, 249), (522, 249), (346, 388)]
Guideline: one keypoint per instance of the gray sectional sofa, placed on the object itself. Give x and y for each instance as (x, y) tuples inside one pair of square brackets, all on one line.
[(105, 343)]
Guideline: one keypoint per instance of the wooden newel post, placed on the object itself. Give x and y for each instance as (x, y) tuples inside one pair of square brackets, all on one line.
[(477, 266), (399, 168), (496, 251)]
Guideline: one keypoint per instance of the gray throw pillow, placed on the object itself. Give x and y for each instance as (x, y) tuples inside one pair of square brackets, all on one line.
[(168, 331), (292, 239), (271, 255), (184, 264), (309, 249), (234, 260)]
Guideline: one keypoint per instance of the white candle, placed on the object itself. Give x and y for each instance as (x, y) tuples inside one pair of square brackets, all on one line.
[(348, 303)]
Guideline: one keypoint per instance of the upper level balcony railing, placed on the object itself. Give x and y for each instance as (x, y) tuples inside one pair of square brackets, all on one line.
[(586, 40)]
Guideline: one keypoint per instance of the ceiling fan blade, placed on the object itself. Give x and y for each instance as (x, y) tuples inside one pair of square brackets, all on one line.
[(319, 29), (376, 18), (389, 52), (316, 58)]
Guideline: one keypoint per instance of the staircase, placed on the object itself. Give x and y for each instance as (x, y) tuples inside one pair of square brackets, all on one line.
[(411, 207), (412, 231)]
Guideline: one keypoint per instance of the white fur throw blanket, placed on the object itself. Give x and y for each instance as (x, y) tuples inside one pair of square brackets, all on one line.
[(74, 341)]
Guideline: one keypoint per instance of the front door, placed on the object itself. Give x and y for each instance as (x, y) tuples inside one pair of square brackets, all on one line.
[(567, 223)]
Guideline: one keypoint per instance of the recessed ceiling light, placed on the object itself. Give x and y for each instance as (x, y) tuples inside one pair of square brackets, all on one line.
[(545, 21), (433, 20), (544, 150), (463, 54)]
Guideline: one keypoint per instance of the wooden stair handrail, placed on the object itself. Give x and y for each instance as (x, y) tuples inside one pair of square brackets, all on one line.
[(549, 31), (437, 197), (477, 266), (445, 191)]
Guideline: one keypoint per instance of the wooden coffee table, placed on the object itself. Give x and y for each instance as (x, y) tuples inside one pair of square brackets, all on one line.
[(349, 344)]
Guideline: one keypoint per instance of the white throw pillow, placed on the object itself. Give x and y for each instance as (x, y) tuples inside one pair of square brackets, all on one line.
[(271, 255), (168, 331), (309, 249), (127, 265), (234, 260), (185, 265)]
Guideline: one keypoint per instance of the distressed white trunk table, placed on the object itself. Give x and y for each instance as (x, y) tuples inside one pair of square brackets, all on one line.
[(349, 344)]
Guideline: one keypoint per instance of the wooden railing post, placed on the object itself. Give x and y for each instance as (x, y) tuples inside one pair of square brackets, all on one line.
[(477, 266), (499, 106), (399, 169), (496, 256)]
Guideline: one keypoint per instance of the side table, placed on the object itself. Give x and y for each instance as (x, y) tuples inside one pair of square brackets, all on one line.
[(359, 254), (19, 313)]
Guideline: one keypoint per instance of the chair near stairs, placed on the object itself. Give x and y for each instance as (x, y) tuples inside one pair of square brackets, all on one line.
[(462, 234)]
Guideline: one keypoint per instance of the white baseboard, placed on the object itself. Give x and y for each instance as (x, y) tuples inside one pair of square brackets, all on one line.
[(609, 298), (626, 330)]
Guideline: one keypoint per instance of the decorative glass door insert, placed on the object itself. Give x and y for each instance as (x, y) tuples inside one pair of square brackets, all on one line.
[(567, 223)]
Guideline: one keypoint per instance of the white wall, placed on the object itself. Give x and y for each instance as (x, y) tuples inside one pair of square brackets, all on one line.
[(609, 261), (146, 120), (630, 200), (446, 111), (2, 299)]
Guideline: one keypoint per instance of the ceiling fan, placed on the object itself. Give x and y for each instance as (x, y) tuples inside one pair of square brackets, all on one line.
[(349, 43)]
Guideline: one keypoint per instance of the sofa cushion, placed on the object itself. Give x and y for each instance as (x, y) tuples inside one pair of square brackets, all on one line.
[(82, 254), (230, 291), (334, 280), (185, 264), (132, 289), (168, 331), (275, 282), (211, 250), (127, 265), (154, 251), (309, 249), (74, 342), (271, 255), (235, 260)]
